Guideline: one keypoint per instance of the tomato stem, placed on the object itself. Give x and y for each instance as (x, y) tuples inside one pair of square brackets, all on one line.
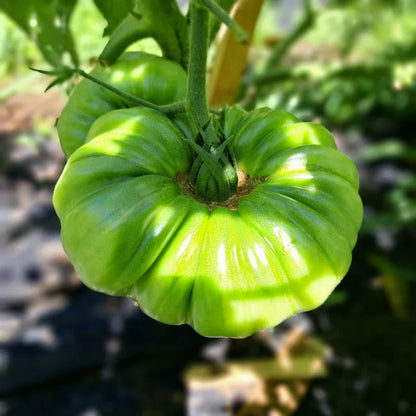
[(212, 176), (161, 20), (196, 91), (129, 31)]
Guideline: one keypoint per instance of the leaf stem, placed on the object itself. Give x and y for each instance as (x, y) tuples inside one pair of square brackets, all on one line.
[(174, 108), (196, 90), (224, 17)]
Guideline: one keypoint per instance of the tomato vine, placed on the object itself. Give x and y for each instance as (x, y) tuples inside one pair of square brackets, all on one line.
[(196, 89)]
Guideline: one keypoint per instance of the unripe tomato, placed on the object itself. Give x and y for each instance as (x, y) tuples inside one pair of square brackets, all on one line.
[(132, 225), (146, 76)]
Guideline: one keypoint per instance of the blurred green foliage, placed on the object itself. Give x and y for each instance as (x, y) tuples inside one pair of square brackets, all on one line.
[(16, 51), (46, 22), (358, 59), (88, 26)]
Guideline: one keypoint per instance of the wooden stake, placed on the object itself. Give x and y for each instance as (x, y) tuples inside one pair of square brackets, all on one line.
[(231, 56)]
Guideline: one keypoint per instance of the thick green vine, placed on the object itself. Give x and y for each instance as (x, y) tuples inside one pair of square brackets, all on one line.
[(159, 19)]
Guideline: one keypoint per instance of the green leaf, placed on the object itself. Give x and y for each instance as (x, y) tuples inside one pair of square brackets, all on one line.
[(46, 23), (114, 12)]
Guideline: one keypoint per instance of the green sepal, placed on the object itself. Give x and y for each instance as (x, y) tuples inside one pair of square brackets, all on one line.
[(213, 175)]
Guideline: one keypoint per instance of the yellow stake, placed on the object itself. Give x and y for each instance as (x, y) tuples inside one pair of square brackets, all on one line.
[(231, 56)]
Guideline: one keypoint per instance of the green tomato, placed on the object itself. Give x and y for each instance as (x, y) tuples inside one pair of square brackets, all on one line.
[(132, 226), (149, 77)]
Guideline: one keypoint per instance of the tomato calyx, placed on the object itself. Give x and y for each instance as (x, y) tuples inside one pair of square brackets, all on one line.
[(213, 174), (245, 187)]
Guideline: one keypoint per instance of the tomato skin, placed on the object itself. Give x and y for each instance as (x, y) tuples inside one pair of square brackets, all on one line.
[(142, 75), (130, 229)]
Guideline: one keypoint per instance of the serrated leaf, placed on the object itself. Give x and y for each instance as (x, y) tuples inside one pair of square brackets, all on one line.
[(46, 22)]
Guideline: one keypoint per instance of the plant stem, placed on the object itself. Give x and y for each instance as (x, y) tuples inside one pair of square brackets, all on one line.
[(214, 23), (160, 19), (196, 90), (173, 108), (224, 17), (130, 30)]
